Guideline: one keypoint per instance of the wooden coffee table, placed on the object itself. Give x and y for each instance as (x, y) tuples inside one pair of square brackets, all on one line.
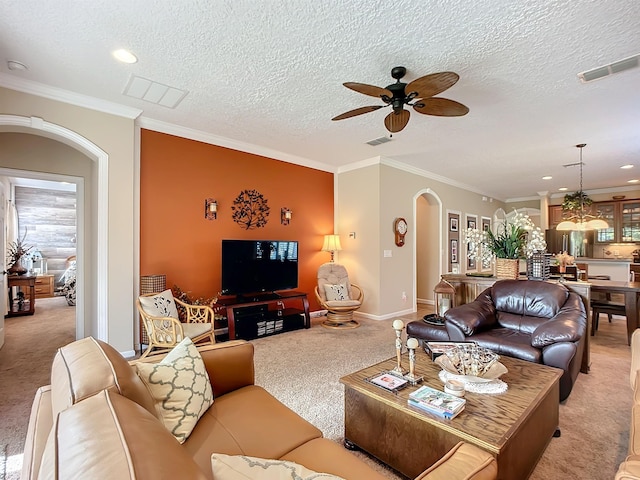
[(515, 426)]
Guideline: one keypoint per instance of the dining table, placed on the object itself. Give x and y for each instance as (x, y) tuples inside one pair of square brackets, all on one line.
[(631, 292)]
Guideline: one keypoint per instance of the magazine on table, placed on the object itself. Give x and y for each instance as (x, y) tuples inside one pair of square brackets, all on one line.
[(389, 381), (437, 401), (436, 411)]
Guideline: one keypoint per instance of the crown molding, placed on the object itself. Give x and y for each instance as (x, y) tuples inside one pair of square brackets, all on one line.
[(210, 138), (434, 176), (58, 94), (600, 191), (360, 164)]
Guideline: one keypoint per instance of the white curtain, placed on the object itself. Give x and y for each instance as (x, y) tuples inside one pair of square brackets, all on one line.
[(12, 222)]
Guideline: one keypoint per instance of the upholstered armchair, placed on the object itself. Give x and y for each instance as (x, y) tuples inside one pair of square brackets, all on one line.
[(540, 322), (338, 296), (159, 315)]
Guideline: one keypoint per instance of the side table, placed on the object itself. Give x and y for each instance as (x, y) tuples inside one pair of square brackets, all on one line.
[(24, 304)]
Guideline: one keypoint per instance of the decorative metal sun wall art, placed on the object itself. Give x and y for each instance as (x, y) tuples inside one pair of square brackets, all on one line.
[(250, 209)]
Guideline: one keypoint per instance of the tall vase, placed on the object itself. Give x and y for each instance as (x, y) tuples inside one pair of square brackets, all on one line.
[(507, 268), (17, 268)]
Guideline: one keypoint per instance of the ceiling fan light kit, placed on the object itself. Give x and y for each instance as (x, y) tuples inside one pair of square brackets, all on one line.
[(420, 91)]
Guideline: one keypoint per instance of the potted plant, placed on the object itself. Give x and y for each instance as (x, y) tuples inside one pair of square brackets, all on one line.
[(511, 241), (15, 251)]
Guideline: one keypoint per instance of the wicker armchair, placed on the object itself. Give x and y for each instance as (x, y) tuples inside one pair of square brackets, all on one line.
[(159, 315), (344, 297)]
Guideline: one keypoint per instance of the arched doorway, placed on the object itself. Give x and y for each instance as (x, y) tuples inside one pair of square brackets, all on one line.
[(91, 319), (428, 254)]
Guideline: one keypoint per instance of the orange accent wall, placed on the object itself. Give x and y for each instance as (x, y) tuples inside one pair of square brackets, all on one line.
[(178, 174)]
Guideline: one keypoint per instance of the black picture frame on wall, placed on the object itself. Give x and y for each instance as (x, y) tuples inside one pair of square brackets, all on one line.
[(453, 224), (454, 251)]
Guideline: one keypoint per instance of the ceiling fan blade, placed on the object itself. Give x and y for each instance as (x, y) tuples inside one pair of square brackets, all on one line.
[(431, 85), (441, 107), (357, 111), (370, 90), (397, 120)]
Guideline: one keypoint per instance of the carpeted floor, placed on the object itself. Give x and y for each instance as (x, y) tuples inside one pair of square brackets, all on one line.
[(302, 369)]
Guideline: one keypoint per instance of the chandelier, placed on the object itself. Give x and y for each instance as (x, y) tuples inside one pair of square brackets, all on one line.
[(582, 221)]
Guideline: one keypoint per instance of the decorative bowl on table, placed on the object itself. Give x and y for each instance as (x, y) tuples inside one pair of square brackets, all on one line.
[(471, 363)]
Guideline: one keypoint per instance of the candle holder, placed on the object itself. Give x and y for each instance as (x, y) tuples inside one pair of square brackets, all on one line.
[(412, 344), (398, 326)]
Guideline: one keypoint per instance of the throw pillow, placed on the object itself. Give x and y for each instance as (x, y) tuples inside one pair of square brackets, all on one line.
[(160, 305), (336, 292), (232, 467), (180, 387)]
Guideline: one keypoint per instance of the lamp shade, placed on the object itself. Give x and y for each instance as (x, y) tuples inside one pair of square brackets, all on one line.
[(331, 243), (567, 225)]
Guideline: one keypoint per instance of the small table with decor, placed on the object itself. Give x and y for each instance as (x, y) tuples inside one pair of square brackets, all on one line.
[(515, 426), (25, 302)]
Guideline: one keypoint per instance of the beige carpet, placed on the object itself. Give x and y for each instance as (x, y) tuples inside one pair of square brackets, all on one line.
[(302, 369)]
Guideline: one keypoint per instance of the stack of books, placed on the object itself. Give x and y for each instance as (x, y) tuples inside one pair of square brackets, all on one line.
[(434, 401)]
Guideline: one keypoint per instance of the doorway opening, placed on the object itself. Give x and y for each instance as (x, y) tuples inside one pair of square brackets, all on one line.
[(49, 210), (428, 254)]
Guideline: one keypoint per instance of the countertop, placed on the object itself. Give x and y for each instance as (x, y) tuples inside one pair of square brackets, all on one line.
[(603, 260)]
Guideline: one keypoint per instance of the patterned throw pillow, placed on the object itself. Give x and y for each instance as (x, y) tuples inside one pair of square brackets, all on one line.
[(180, 387), (336, 292), (160, 305), (232, 467)]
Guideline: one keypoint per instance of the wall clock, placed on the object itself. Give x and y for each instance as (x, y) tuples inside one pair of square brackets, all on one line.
[(400, 228)]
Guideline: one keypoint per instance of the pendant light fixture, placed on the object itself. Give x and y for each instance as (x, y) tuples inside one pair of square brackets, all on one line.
[(582, 221)]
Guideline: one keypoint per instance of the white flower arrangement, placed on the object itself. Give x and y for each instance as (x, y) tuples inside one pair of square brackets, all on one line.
[(519, 238)]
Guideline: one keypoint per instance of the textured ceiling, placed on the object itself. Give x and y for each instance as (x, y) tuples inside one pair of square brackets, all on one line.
[(270, 73)]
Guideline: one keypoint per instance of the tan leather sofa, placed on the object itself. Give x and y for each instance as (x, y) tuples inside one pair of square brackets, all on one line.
[(630, 468), (96, 420)]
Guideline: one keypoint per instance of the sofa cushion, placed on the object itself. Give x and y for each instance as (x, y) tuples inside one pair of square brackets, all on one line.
[(131, 443), (535, 299), (87, 366), (180, 387), (160, 305), (322, 454), (512, 343), (248, 421), (236, 467)]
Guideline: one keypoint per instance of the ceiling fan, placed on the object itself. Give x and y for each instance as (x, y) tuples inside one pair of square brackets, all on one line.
[(421, 92)]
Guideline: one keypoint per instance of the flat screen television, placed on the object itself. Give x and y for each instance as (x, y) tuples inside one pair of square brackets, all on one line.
[(255, 266)]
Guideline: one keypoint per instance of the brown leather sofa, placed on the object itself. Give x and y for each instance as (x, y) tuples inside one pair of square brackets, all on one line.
[(540, 322), (96, 420)]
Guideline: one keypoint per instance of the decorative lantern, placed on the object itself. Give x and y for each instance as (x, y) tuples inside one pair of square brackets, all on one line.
[(444, 297), (539, 266)]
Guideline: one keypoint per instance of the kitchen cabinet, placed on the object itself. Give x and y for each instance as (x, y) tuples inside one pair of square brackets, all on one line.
[(623, 217)]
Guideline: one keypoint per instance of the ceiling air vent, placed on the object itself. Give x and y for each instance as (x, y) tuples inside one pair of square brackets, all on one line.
[(378, 141), (154, 92), (606, 70)]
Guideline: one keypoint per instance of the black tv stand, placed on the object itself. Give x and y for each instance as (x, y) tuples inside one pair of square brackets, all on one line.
[(262, 314), (257, 297)]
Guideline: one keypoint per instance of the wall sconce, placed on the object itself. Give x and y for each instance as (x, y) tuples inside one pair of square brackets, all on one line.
[(210, 209), (285, 216), (331, 244)]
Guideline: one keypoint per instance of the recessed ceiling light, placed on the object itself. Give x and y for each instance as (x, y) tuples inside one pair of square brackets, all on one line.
[(627, 166), (14, 65), (547, 177), (635, 180), (125, 56), (563, 189)]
